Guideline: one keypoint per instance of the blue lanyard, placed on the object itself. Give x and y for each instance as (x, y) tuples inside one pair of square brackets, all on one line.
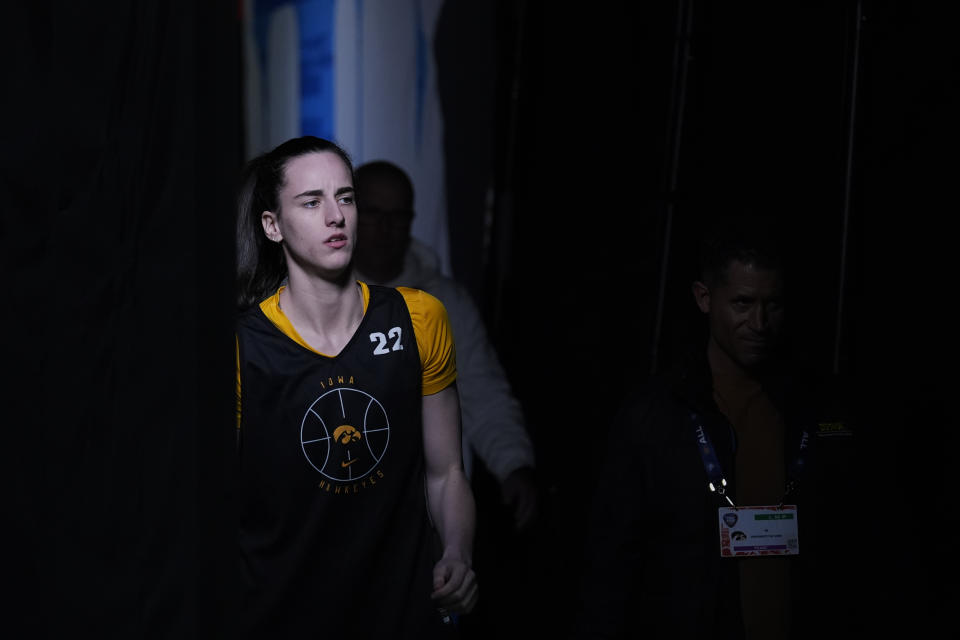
[(711, 464), (797, 465)]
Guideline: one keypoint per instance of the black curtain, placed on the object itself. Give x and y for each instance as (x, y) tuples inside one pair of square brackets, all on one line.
[(121, 145), (901, 333)]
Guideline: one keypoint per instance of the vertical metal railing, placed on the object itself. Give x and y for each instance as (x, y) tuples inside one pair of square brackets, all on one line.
[(678, 98), (853, 76)]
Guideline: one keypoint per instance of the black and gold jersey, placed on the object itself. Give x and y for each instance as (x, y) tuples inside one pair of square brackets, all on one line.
[(334, 530)]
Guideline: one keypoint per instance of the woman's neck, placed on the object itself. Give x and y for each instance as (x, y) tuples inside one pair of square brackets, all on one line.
[(325, 313)]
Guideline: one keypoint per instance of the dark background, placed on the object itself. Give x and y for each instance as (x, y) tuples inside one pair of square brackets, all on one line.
[(121, 144)]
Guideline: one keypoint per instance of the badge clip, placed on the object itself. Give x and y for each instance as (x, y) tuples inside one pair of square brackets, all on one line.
[(791, 487), (722, 491)]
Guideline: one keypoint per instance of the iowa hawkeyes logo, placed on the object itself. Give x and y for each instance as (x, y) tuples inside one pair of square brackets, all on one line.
[(344, 434)]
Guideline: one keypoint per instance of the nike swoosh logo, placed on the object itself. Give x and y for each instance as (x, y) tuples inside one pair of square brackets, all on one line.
[(348, 463)]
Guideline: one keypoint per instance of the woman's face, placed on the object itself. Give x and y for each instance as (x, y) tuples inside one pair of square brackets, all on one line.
[(317, 217)]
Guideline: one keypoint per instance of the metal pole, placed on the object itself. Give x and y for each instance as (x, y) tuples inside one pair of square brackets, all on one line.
[(500, 207), (851, 128), (681, 55)]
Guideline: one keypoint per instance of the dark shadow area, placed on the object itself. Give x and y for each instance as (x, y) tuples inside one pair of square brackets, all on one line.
[(120, 153)]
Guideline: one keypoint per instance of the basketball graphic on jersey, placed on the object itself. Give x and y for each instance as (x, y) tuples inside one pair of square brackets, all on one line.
[(344, 434)]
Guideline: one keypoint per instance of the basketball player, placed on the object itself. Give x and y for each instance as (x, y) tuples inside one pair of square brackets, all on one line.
[(356, 517)]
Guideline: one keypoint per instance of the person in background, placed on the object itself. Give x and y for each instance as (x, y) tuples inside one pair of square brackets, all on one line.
[(733, 437), (493, 421)]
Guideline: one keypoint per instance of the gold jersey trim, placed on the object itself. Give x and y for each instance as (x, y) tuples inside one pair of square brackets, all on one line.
[(431, 327)]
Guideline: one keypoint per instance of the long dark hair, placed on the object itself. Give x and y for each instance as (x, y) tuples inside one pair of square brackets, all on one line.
[(261, 267)]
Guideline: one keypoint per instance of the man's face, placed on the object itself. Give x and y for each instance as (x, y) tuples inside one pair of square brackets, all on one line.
[(385, 214), (745, 312)]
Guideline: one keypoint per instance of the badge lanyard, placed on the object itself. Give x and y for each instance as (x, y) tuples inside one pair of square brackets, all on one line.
[(711, 464)]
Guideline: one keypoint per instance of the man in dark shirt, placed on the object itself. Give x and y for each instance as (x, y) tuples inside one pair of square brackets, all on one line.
[(731, 424)]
